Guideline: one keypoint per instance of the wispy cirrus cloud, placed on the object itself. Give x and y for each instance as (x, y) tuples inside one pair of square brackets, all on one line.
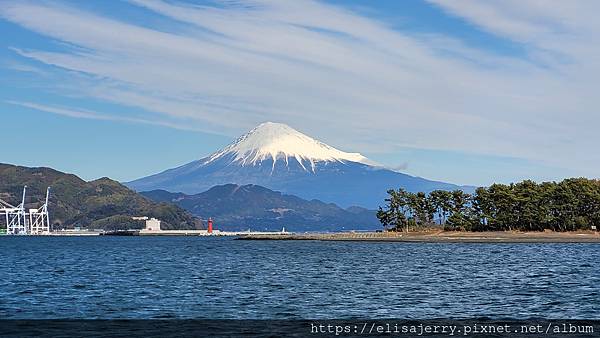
[(344, 77), (94, 115)]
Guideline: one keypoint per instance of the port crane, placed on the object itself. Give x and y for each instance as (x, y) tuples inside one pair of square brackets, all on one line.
[(21, 221)]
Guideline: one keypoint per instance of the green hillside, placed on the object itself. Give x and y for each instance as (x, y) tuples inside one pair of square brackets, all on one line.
[(98, 204), (235, 207)]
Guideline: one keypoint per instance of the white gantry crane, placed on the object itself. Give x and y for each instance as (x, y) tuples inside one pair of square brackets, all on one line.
[(20, 221), (39, 222)]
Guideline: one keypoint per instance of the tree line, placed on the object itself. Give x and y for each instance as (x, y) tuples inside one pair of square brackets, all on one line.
[(572, 204)]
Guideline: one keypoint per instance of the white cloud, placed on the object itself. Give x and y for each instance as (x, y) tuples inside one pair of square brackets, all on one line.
[(345, 78), (93, 115)]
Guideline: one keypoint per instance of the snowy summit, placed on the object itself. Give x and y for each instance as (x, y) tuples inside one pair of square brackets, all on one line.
[(278, 157), (278, 141)]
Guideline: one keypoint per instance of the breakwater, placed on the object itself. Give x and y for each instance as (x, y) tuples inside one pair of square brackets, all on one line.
[(439, 236)]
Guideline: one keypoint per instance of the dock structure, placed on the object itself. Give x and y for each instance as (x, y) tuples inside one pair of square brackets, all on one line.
[(20, 221), (153, 229)]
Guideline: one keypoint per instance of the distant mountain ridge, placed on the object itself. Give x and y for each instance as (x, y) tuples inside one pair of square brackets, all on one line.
[(235, 207), (277, 157), (98, 204)]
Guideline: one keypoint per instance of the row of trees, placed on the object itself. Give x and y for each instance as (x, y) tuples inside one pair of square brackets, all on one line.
[(572, 204)]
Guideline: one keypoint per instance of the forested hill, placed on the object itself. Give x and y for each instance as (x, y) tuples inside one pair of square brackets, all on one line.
[(235, 207), (98, 204), (570, 205)]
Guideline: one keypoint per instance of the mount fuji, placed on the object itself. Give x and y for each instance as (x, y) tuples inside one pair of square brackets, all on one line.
[(281, 158)]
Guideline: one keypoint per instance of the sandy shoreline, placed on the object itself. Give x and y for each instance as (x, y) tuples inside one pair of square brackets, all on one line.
[(441, 237)]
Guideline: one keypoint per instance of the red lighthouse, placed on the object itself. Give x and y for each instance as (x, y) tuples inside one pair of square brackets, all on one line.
[(210, 225)]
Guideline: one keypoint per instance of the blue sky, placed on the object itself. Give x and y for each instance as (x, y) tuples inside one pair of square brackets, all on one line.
[(469, 92)]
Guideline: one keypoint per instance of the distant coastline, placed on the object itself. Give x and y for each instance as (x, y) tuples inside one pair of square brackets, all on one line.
[(441, 237)]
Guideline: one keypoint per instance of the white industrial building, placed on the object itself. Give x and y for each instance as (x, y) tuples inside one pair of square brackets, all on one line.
[(152, 224)]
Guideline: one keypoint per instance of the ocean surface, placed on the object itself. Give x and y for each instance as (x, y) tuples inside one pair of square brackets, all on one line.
[(194, 277)]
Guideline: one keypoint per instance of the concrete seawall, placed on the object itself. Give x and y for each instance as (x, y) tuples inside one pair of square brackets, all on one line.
[(439, 237)]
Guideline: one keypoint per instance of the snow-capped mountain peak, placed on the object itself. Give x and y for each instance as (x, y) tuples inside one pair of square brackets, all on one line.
[(280, 158), (278, 141)]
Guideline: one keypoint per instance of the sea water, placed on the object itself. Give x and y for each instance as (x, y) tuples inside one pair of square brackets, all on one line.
[(195, 277)]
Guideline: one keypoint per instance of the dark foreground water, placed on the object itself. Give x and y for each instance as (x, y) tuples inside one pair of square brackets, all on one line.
[(192, 277)]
